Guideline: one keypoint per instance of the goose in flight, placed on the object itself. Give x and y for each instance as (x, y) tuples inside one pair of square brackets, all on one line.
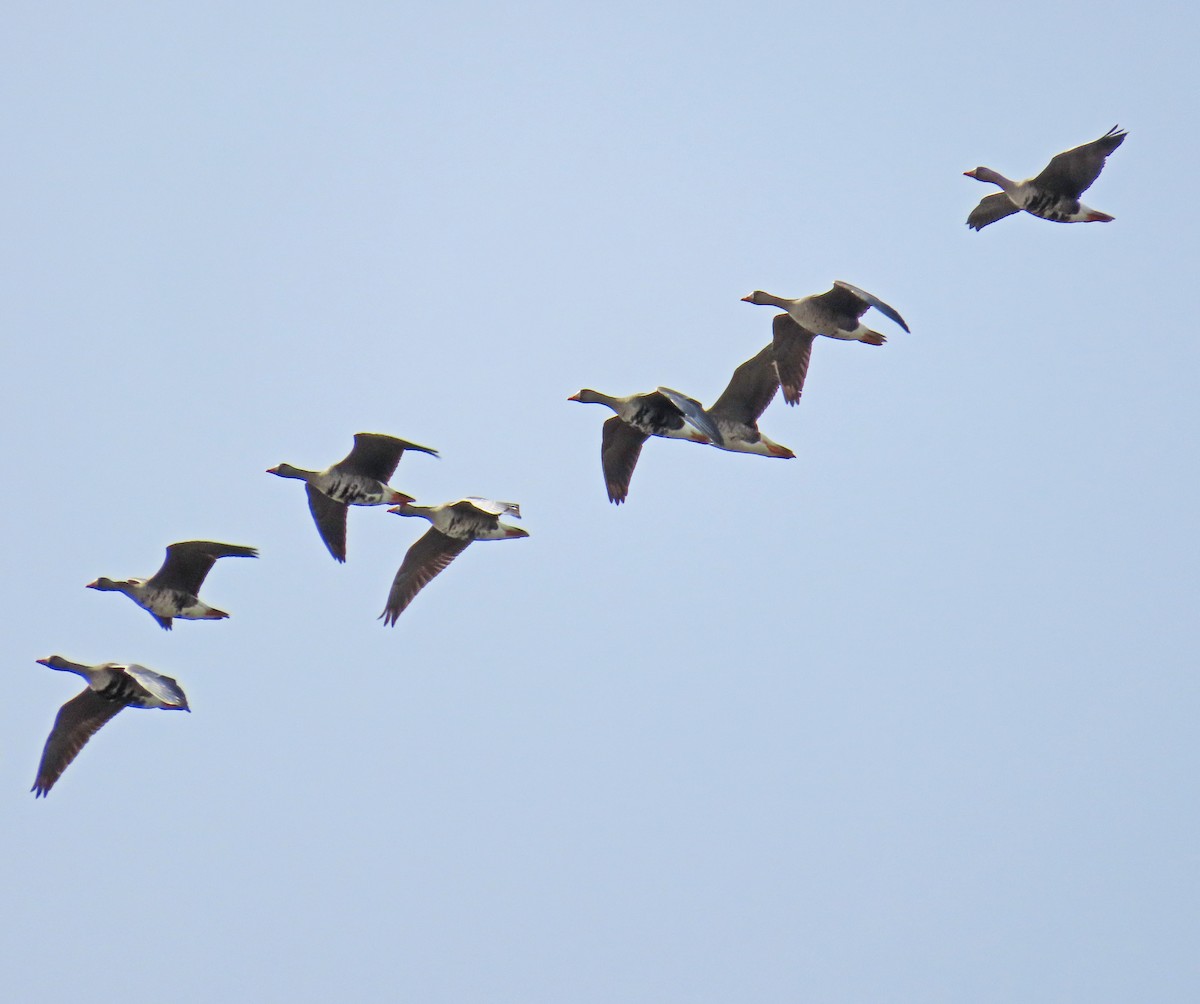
[(454, 526), (836, 313), (736, 412), (359, 478), (637, 418), (1054, 194), (173, 590), (111, 686)]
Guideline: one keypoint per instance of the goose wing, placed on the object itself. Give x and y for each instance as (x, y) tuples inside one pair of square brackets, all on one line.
[(620, 447), (870, 299), (188, 562), (693, 413), (750, 389), (1072, 173), (990, 209), (427, 558), (792, 348), (163, 688), (841, 305), (330, 517), (493, 507), (377, 456), (77, 721)]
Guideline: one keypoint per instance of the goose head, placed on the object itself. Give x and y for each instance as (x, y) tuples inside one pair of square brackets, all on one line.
[(58, 662), (107, 585), (986, 174), (589, 396), (408, 509), (288, 471)]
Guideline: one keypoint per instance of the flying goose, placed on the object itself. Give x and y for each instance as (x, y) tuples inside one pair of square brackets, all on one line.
[(455, 525), (737, 410), (1054, 194), (834, 313), (111, 686), (172, 590), (638, 417), (360, 478)]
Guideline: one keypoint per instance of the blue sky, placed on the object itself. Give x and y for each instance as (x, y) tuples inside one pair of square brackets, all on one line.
[(908, 718)]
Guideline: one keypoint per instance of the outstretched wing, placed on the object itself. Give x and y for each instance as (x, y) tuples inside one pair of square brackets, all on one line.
[(330, 517), (620, 447), (792, 348), (188, 562), (1072, 173), (841, 304), (990, 209), (377, 456), (693, 413), (164, 688), (871, 300), (78, 720), (427, 558), (492, 507), (750, 389)]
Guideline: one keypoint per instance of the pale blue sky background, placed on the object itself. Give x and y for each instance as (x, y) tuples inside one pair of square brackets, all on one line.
[(910, 718)]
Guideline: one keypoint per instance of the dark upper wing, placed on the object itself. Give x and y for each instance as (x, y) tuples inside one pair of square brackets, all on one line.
[(845, 305), (189, 561), (377, 456), (990, 209), (474, 517), (78, 720), (792, 348), (691, 411), (620, 446), (751, 388), (425, 559), (330, 517), (871, 300), (1072, 173)]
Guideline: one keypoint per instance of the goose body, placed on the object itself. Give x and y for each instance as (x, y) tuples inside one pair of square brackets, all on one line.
[(653, 415), (836, 313), (737, 411), (110, 687), (454, 526), (1054, 193), (638, 417), (359, 478), (173, 590)]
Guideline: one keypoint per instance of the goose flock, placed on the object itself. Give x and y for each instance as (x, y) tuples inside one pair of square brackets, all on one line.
[(361, 478)]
